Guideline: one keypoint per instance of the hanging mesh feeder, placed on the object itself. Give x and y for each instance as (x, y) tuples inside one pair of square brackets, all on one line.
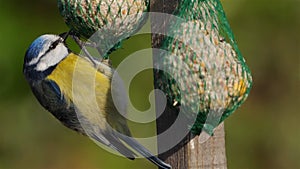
[(213, 80), (115, 20)]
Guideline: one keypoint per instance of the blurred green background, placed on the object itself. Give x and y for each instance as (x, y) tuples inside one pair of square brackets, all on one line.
[(263, 134)]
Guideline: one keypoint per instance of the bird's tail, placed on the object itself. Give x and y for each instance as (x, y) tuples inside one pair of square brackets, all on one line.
[(144, 152)]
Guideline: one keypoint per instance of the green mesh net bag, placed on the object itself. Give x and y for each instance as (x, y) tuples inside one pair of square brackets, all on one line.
[(213, 79), (115, 20)]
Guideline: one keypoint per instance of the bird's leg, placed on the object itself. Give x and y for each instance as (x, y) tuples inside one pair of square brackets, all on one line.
[(105, 60), (93, 45), (83, 48)]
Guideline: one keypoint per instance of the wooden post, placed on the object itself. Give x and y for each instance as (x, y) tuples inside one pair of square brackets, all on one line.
[(189, 153)]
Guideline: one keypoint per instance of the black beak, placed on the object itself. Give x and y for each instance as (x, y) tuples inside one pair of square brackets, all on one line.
[(64, 35)]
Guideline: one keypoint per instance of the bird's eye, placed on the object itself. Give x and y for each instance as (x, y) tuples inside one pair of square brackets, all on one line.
[(51, 47), (54, 44)]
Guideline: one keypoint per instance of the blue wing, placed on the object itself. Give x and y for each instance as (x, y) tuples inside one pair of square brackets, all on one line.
[(55, 88)]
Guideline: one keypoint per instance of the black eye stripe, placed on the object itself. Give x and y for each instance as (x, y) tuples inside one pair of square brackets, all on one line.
[(54, 44)]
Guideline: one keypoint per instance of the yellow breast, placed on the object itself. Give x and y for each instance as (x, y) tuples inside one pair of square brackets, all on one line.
[(81, 84)]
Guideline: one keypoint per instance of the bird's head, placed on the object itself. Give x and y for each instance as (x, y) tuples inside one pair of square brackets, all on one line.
[(43, 55)]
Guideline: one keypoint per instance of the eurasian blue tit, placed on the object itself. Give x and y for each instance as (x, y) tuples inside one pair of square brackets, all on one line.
[(49, 67)]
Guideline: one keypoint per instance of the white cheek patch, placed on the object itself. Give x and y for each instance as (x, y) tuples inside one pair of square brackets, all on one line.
[(41, 66), (52, 58)]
